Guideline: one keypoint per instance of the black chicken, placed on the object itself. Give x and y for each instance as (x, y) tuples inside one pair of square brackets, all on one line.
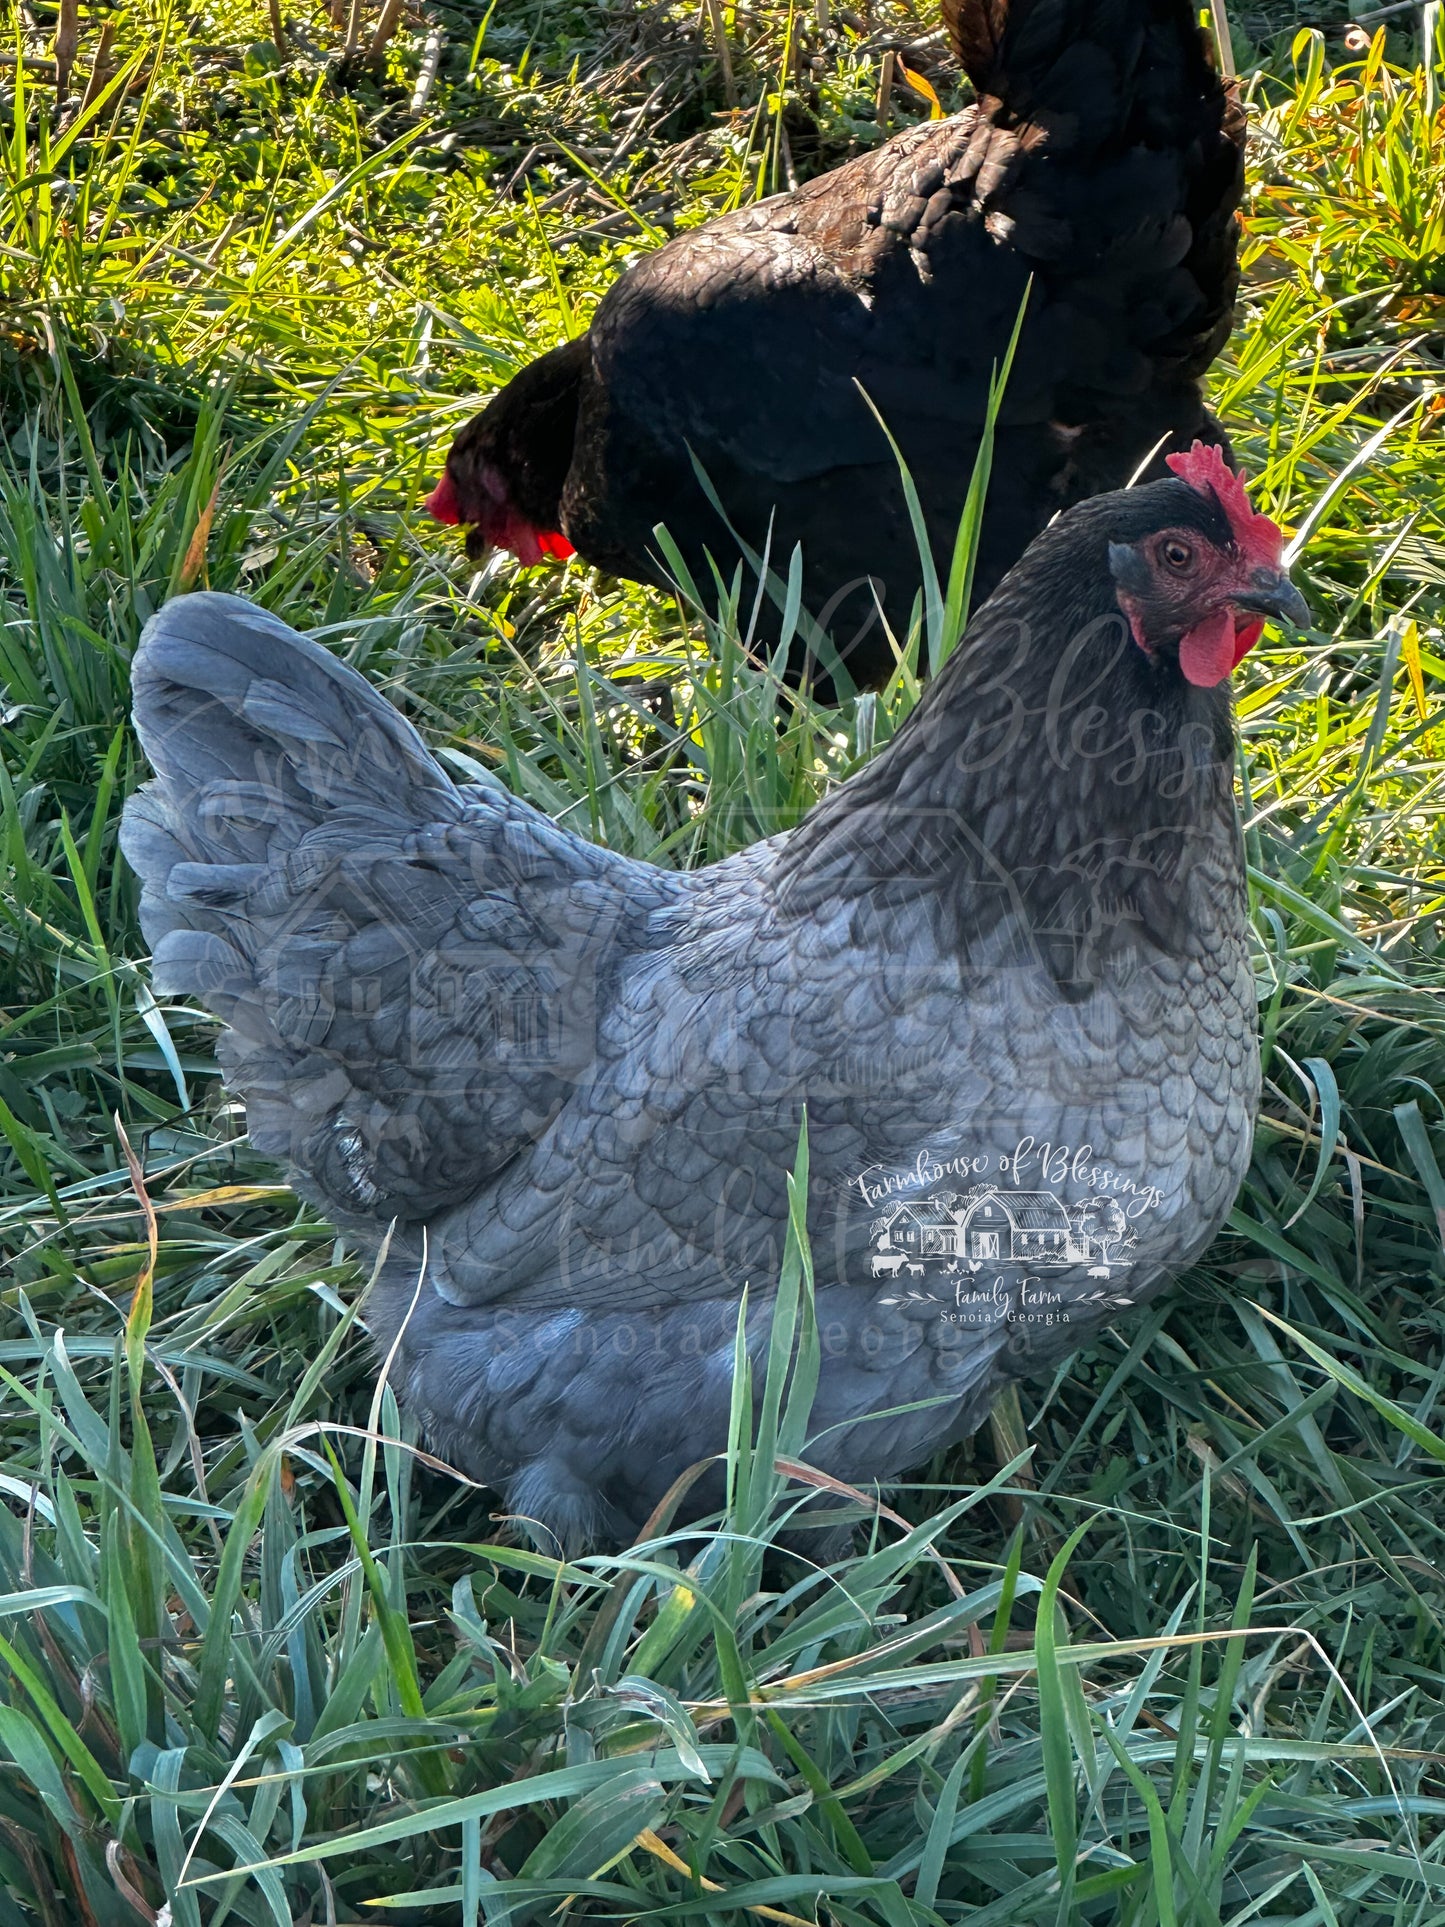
[(1004, 967), (1102, 160)]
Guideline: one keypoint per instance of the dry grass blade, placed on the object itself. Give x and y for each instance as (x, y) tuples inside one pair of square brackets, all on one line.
[(67, 45)]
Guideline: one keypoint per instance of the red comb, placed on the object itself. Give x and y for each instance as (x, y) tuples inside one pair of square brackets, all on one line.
[(442, 502), (1205, 469)]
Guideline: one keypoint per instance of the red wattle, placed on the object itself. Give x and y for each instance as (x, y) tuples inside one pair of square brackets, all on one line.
[(1245, 639), (1206, 652), (496, 521), (442, 503)]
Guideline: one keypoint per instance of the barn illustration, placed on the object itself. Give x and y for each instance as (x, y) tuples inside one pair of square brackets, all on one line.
[(991, 1224)]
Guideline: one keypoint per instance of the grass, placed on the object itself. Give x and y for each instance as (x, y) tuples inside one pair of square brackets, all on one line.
[(1166, 1645)]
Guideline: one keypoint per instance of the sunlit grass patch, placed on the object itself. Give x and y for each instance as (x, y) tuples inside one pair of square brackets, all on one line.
[(244, 305)]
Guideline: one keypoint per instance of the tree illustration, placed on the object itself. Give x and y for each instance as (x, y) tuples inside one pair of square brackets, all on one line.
[(1102, 1222), (880, 1227)]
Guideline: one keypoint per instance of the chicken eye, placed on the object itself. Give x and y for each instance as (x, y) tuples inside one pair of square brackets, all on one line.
[(1175, 554)]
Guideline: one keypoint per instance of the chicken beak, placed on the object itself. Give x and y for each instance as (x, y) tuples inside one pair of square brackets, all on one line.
[(1271, 593)]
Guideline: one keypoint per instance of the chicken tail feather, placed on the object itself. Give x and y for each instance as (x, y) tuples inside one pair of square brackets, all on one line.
[(258, 737), (407, 968), (284, 783), (256, 734)]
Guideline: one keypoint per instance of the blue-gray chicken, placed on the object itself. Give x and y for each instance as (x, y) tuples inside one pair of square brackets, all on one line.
[(1004, 968)]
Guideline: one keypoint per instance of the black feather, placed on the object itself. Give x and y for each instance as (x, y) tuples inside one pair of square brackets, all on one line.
[(1099, 171)]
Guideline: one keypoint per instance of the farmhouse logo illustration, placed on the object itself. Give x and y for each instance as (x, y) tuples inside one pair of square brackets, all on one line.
[(1043, 1208), (991, 1225)]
